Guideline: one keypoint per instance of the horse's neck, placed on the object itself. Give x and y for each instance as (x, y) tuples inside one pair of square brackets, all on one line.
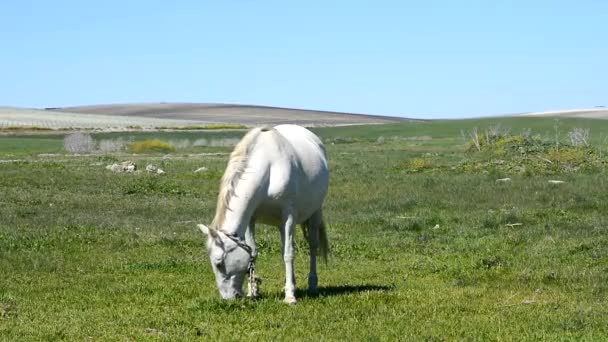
[(236, 222), (241, 208)]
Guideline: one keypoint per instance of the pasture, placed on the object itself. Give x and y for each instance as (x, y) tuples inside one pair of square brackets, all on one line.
[(426, 244)]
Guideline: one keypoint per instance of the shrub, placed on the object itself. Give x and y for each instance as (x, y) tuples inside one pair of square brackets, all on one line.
[(573, 159), (418, 164), (529, 154), (78, 143), (579, 136), (150, 146)]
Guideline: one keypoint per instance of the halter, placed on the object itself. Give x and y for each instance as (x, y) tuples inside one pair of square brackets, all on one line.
[(254, 281)]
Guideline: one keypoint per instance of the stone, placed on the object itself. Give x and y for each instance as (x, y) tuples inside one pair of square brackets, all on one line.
[(126, 166)]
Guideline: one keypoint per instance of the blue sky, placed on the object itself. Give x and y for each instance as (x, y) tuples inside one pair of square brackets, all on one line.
[(423, 59)]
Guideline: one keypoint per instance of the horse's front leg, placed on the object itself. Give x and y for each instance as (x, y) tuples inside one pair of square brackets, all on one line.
[(287, 237), (253, 290)]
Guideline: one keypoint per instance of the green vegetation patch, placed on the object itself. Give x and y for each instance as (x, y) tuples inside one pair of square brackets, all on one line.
[(24, 128), (151, 146), (436, 254)]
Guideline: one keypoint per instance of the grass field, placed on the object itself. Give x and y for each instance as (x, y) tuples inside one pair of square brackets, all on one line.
[(437, 252)]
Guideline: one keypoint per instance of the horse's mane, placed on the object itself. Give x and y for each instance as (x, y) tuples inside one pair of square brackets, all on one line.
[(235, 169)]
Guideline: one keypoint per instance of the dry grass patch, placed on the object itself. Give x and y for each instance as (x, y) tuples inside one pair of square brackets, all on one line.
[(150, 146)]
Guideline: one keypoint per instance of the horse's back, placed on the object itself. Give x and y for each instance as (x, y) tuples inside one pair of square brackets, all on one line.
[(300, 173), (309, 150)]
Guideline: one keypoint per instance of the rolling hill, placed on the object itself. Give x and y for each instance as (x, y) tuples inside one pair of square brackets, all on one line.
[(150, 116), (590, 113), (175, 115), (231, 114)]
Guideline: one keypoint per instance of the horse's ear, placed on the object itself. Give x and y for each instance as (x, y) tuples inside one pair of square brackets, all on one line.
[(207, 231)]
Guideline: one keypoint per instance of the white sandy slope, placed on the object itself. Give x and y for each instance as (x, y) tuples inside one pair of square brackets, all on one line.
[(21, 117), (589, 113)]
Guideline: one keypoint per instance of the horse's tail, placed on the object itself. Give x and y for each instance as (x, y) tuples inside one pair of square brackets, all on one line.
[(323, 242), (319, 224)]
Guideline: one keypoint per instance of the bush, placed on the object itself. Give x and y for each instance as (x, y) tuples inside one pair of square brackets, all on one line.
[(579, 136), (418, 164), (151, 146), (78, 143), (529, 154), (573, 158)]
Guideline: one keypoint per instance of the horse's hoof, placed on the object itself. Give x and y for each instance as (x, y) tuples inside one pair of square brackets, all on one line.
[(313, 291), (290, 300)]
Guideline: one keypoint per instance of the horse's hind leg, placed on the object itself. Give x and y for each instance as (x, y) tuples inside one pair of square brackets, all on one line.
[(313, 225)]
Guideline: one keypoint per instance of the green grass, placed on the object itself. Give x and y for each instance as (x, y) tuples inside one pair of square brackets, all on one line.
[(11, 145), (437, 255), (451, 129), (24, 128)]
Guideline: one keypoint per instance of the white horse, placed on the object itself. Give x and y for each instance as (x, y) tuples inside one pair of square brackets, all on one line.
[(277, 176)]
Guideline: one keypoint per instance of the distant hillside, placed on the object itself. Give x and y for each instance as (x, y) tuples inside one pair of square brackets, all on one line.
[(231, 114), (591, 113), (35, 119)]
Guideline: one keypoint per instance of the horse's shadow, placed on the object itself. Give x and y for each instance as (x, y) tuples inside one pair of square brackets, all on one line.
[(341, 290), (323, 292)]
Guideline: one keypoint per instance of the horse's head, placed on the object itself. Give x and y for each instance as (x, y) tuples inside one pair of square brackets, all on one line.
[(229, 260)]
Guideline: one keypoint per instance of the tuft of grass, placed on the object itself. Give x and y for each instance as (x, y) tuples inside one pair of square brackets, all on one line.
[(151, 146), (418, 164)]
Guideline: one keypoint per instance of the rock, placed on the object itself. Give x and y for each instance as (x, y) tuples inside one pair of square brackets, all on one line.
[(200, 169), (153, 331), (154, 169), (126, 166)]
